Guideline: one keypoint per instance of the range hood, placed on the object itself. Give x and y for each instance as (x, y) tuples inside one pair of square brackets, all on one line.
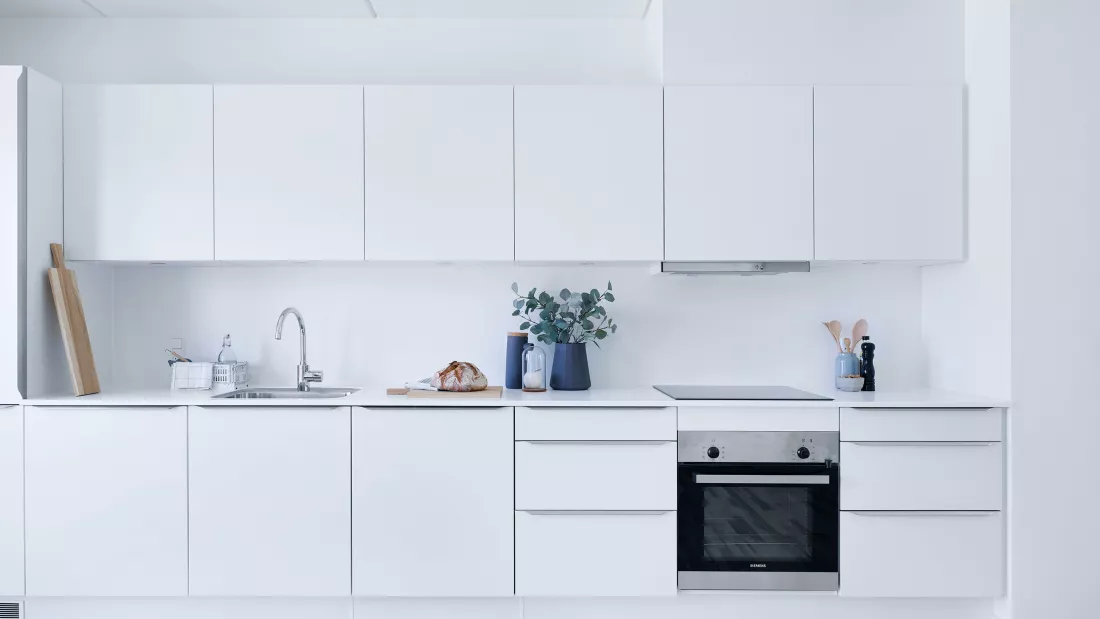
[(734, 268)]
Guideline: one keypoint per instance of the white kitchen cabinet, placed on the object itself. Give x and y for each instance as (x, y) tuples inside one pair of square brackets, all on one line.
[(288, 172), (888, 173), (922, 554), (595, 553), (587, 475), (432, 502), (439, 172), (270, 501), (139, 172), (11, 252), (922, 424), (921, 476), (106, 501), (588, 173), (595, 424), (739, 173), (11, 507)]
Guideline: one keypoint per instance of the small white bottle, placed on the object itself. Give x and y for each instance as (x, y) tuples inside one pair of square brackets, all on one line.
[(227, 355)]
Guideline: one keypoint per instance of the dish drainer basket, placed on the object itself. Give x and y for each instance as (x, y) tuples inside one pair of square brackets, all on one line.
[(235, 373)]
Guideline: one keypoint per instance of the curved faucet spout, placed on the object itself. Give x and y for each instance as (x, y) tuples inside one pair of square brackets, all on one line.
[(305, 375)]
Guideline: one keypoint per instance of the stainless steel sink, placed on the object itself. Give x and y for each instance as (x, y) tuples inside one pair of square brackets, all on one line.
[(286, 393)]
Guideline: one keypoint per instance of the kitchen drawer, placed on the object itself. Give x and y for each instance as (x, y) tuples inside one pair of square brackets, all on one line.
[(592, 424), (920, 476), (759, 419), (596, 554), (920, 424), (626, 475), (922, 554)]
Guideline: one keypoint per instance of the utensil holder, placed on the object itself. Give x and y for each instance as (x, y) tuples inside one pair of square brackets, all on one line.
[(846, 364)]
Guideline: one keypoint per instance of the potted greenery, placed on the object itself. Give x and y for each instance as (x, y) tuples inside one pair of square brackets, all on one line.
[(570, 324)]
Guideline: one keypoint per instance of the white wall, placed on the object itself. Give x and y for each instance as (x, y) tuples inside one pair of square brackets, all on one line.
[(967, 307), (813, 41), (1055, 281), (332, 50), (379, 325)]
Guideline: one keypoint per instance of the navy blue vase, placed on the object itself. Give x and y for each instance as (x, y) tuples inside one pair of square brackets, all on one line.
[(570, 370)]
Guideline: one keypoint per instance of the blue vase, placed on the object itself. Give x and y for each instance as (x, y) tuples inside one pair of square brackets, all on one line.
[(570, 369), (847, 364)]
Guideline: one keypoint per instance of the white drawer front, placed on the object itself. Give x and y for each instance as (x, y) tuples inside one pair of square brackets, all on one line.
[(596, 554), (592, 424), (922, 554), (926, 424), (920, 476), (596, 475), (759, 419)]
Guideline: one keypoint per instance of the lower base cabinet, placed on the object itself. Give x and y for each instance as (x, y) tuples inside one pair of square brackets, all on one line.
[(432, 502), (595, 553), (11, 506), (922, 554)]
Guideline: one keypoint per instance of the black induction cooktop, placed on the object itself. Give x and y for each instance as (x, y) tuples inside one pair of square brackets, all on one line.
[(726, 392)]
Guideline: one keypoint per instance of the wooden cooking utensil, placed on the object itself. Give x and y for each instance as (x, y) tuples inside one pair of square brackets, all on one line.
[(858, 331), (847, 345), (74, 330), (834, 328)]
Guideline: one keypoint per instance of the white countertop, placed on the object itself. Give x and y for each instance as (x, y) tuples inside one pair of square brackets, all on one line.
[(639, 396)]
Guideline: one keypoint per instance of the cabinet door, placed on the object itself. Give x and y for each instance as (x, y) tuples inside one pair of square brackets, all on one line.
[(11, 170), (288, 172), (270, 501), (11, 506), (888, 173), (439, 172), (739, 173), (432, 502), (106, 501), (922, 554), (589, 175), (139, 172)]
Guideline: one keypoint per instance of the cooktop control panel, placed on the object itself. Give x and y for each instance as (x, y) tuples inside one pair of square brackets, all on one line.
[(764, 447)]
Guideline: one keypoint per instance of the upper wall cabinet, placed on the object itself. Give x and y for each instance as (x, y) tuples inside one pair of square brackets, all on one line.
[(288, 172), (439, 172), (139, 172), (739, 173), (888, 181), (588, 173)]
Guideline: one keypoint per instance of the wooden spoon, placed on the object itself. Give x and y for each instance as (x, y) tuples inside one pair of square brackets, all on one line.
[(847, 345), (858, 331), (834, 328)]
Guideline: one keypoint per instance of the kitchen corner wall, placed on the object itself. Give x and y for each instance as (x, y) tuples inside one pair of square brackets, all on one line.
[(379, 325)]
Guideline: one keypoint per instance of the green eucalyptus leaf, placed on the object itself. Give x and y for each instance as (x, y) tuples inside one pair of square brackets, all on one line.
[(524, 326), (595, 293), (564, 294), (561, 324), (515, 287), (586, 297), (600, 334), (588, 326), (609, 285), (537, 328), (544, 314), (610, 297), (544, 298), (614, 328), (515, 312)]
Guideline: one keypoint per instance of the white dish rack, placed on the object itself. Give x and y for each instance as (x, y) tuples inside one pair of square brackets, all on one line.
[(203, 375)]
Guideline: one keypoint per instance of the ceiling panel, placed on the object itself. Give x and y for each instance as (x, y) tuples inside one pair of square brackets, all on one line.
[(46, 8), (233, 8), (513, 9)]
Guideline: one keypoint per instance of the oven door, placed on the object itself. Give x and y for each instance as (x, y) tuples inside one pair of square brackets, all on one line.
[(758, 526)]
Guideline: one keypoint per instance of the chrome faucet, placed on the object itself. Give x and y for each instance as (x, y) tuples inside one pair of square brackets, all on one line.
[(305, 375)]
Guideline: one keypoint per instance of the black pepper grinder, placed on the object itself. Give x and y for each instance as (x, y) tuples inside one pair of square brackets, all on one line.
[(867, 367)]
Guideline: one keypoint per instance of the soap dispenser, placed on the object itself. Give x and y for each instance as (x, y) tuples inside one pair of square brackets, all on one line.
[(227, 355)]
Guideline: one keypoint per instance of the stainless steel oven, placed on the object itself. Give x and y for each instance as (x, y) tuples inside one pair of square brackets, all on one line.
[(758, 510)]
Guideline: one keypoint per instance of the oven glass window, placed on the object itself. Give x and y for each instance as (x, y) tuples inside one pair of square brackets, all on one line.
[(757, 524)]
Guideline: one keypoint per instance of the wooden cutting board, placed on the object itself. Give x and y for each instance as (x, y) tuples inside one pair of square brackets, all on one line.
[(74, 330), (489, 393)]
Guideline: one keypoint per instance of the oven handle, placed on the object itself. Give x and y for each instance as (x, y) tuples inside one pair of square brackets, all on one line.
[(597, 512), (923, 443), (581, 442), (933, 514), (770, 480)]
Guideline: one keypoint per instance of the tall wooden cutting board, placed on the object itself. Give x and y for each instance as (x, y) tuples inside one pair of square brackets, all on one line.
[(74, 331)]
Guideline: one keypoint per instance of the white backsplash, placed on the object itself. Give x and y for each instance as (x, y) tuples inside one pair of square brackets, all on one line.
[(371, 324)]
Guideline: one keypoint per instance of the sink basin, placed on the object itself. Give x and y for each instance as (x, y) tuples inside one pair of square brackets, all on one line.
[(286, 393)]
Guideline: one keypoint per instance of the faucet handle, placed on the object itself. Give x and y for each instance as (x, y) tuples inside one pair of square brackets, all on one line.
[(313, 376)]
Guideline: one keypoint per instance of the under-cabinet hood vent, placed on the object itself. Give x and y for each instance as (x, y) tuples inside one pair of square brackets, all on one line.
[(9, 610), (734, 268)]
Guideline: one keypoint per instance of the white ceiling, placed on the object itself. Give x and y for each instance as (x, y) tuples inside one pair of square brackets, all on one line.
[(433, 9)]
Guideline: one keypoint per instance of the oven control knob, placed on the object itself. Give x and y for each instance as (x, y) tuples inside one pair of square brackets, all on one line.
[(802, 453), (713, 452)]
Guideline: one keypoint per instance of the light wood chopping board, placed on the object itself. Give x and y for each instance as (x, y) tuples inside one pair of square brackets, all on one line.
[(489, 393), (74, 330)]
